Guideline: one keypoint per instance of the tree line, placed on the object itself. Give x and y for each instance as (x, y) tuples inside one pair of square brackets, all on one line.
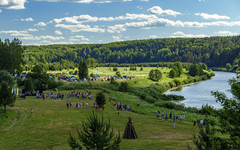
[(214, 51)]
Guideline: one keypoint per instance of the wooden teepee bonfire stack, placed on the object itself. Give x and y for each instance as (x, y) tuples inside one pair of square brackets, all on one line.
[(130, 132)]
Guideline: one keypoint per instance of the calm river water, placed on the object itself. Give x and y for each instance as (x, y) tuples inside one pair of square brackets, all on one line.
[(199, 94)]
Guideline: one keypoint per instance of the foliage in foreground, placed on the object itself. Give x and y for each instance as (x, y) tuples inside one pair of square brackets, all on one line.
[(95, 134), (7, 98), (228, 122)]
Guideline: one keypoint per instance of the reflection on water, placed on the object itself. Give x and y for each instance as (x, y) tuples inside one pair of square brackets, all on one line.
[(199, 94)]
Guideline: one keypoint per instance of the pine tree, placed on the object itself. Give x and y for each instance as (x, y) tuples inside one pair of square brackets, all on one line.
[(100, 99), (83, 70), (95, 134), (7, 98)]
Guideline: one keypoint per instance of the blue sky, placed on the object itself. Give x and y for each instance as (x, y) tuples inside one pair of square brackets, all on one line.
[(42, 22)]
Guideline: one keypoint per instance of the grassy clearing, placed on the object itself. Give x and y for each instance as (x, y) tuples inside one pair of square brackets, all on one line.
[(51, 121)]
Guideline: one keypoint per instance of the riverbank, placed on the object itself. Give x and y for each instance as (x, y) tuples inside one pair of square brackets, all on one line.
[(199, 94)]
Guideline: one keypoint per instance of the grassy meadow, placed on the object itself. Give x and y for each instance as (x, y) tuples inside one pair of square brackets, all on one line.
[(51, 121)]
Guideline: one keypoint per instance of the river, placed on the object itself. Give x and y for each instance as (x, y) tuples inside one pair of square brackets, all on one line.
[(199, 94)]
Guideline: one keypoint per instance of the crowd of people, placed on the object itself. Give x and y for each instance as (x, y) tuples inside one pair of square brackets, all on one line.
[(174, 117), (77, 94), (120, 107)]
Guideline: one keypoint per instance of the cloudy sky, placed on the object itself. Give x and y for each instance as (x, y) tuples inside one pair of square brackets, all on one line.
[(41, 22)]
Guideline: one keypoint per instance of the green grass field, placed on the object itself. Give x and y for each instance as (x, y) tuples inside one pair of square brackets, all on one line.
[(51, 121)]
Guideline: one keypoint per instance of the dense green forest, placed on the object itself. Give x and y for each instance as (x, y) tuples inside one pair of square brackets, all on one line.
[(214, 51)]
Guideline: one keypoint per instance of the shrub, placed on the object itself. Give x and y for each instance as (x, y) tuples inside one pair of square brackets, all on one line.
[(177, 82), (118, 74), (115, 69), (169, 105), (100, 99), (150, 99), (155, 75), (123, 87), (113, 82), (172, 84)]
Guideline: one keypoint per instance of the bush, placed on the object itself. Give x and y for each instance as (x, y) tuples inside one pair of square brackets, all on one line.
[(177, 82), (123, 87), (167, 85), (115, 69), (169, 105), (75, 72), (155, 75), (100, 99), (172, 84), (118, 74), (204, 77), (150, 99), (113, 82)]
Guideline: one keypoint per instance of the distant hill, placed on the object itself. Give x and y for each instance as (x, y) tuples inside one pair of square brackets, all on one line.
[(214, 51)]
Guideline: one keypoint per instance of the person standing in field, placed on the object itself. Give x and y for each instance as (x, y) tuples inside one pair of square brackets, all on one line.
[(174, 119), (162, 116), (158, 114), (86, 104), (103, 108), (31, 111)]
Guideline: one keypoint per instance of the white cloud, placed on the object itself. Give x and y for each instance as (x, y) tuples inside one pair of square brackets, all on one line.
[(75, 19), (139, 7), (32, 30), (183, 35), (117, 38), (40, 24), (159, 11), (16, 33), (27, 19), (116, 28), (86, 1), (153, 36), (87, 18), (80, 28), (58, 32), (43, 37), (0, 10), (13, 32), (229, 33), (161, 22), (12, 4), (211, 16), (78, 38), (144, 0)]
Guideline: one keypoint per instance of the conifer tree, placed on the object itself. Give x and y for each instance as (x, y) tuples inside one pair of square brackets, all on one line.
[(83, 70), (95, 134), (100, 99), (7, 98)]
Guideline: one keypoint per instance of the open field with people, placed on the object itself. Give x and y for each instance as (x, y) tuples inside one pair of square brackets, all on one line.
[(51, 120)]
